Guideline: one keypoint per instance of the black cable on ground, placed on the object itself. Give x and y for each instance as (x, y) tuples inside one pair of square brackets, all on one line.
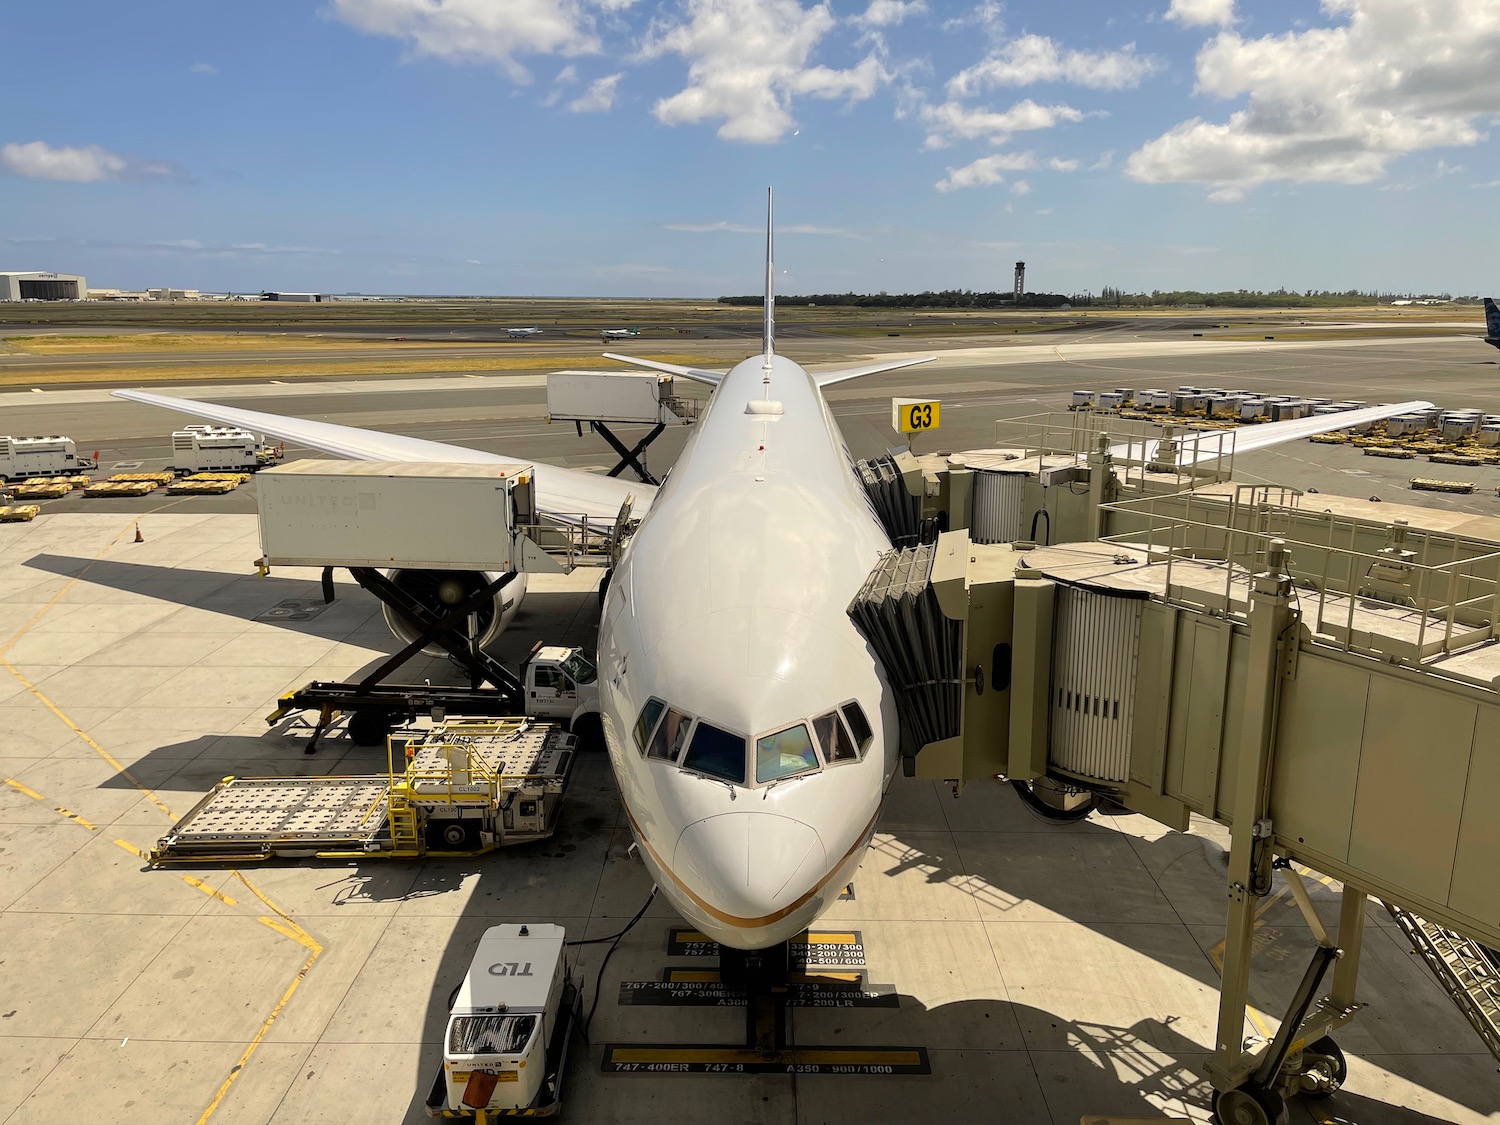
[(615, 938)]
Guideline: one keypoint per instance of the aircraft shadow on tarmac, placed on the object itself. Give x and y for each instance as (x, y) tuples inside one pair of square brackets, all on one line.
[(218, 592)]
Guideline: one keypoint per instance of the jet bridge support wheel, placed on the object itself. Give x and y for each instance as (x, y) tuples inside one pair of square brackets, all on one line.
[(1052, 801), (1324, 1068), (1249, 1105)]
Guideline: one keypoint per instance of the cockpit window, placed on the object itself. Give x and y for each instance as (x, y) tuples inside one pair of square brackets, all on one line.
[(716, 753), (859, 726), (833, 736), (670, 735), (647, 722), (581, 669), (783, 754)]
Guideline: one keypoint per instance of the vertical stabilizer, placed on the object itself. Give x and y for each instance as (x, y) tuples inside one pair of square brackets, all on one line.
[(1491, 322), (770, 325)]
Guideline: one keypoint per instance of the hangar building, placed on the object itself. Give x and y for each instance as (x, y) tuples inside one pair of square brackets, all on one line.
[(41, 285)]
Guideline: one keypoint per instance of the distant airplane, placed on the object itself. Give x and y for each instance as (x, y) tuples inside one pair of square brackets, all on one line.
[(1491, 323), (618, 333), (522, 333)]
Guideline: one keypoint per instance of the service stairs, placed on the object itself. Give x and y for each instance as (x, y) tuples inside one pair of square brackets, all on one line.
[(899, 512), (1464, 969), (403, 819), (920, 649)]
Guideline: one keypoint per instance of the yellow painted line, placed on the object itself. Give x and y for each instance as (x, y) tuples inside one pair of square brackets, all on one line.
[(18, 787), (35, 796), (297, 934), (239, 1067), (76, 729), (206, 889), (133, 850), (66, 587), (289, 929), (1216, 954), (828, 977), (819, 938), (73, 816)]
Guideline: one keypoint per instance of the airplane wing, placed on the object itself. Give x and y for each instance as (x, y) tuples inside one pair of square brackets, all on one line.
[(1249, 438), (698, 374), (565, 494), (828, 378)]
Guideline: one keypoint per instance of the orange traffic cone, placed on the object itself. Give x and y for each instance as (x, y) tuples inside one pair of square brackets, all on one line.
[(139, 538)]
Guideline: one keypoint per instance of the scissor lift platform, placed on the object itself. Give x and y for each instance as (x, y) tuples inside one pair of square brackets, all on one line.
[(466, 787)]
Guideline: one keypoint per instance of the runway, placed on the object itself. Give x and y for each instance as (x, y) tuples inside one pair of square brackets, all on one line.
[(979, 389)]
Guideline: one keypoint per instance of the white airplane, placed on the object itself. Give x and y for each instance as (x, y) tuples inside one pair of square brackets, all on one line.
[(522, 333), (608, 334), (748, 723)]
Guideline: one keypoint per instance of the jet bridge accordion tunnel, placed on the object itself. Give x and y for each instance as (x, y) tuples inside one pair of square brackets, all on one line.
[(1337, 706)]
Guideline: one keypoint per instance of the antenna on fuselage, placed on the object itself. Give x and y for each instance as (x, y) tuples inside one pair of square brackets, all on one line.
[(770, 309)]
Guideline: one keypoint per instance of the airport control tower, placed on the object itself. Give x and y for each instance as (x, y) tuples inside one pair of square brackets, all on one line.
[(1020, 281)]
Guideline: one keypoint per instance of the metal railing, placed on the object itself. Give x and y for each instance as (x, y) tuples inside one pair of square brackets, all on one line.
[(685, 408), (1395, 603), (1196, 452)]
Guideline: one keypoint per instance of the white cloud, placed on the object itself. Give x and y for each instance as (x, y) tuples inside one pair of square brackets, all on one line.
[(987, 15), (1036, 58), (747, 61), (1445, 169), (952, 121), (1487, 184), (1202, 13), (599, 97), (889, 13), (204, 68), (1336, 104), (987, 171), (85, 164), (471, 261), (494, 31), (1044, 211)]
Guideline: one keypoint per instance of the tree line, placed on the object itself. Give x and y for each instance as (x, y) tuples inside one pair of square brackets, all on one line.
[(1108, 297)]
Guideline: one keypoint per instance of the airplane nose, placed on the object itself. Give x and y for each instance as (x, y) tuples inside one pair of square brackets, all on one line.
[(750, 865)]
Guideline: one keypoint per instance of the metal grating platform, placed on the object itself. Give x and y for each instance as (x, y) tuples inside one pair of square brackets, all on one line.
[(314, 809), (507, 750)]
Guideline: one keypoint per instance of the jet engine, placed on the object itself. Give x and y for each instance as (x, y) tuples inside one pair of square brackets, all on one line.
[(441, 590)]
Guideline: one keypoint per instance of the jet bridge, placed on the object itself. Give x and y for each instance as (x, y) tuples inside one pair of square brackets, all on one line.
[(1326, 684)]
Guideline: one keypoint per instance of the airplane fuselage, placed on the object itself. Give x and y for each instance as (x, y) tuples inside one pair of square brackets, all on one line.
[(750, 786)]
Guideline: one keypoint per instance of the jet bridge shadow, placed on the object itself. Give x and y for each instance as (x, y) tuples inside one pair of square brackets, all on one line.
[(1080, 872)]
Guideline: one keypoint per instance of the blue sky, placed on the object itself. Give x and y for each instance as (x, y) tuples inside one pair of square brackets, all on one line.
[(618, 147)]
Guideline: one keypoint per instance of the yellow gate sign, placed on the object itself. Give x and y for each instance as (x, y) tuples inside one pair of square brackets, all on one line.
[(913, 415)]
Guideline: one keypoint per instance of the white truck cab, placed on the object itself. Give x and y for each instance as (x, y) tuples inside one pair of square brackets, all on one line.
[(502, 1020), (560, 683)]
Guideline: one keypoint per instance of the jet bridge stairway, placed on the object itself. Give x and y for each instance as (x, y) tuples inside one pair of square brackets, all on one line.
[(1465, 969), (1337, 707)]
